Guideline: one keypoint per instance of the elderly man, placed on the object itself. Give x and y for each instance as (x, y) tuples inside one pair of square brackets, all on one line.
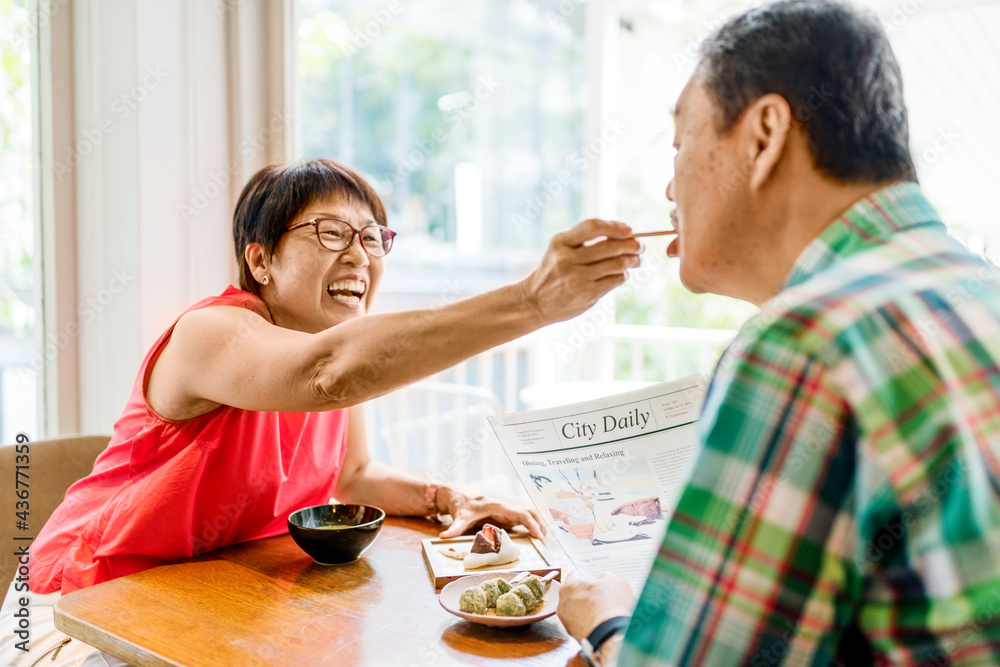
[(845, 507)]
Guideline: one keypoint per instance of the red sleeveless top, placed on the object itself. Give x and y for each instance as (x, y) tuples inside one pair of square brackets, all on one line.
[(167, 490)]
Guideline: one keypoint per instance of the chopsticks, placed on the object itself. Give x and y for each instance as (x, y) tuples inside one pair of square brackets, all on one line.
[(519, 578), (640, 235), (550, 576), (524, 575), (663, 233)]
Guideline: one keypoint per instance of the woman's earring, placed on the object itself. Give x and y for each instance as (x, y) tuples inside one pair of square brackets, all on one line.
[(265, 280)]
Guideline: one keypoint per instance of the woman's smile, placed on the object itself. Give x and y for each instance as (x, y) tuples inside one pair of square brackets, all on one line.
[(349, 291)]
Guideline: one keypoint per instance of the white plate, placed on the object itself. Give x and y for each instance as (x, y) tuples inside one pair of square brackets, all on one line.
[(453, 591)]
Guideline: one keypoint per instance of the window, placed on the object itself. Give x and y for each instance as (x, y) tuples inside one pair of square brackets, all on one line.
[(20, 368), (472, 173), (948, 59), (466, 117)]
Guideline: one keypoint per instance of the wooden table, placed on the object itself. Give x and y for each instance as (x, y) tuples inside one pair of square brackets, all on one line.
[(268, 603)]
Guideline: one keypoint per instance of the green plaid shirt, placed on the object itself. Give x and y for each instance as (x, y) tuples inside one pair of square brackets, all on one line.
[(845, 508)]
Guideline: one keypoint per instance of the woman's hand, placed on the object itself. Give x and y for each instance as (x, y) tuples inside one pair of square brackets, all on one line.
[(580, 266), (467, 513)]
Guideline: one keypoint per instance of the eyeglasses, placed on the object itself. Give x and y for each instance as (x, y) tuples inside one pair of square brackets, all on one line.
[(337, 235)]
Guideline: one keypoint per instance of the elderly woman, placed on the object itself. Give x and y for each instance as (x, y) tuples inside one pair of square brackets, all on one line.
[(248, 406)]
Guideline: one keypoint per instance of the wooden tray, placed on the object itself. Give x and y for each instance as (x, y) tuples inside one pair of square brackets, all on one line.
[(534, 558)]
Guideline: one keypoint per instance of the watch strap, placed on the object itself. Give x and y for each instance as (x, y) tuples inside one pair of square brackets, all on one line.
[(604, 631)]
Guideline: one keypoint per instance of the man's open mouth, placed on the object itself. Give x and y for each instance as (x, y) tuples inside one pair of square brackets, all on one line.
[(347, 291)]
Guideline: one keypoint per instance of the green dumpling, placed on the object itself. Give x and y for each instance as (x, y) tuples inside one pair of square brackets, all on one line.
[(535, 585), (492, 593), (472, 600), (525, 594), (510, 604), (502, 585)]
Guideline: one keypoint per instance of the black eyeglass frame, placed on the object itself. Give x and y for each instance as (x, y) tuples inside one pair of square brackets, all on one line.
[(354, 232)]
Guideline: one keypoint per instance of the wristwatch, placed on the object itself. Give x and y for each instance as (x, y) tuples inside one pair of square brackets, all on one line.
[(590, 646)]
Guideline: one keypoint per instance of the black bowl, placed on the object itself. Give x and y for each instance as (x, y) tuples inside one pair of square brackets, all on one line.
[(334, 534)]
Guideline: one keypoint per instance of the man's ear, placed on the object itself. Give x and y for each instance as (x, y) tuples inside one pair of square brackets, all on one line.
[(768, 122), (254, 255)]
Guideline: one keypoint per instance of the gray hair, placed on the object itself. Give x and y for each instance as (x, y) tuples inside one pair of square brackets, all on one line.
[(834, 66)]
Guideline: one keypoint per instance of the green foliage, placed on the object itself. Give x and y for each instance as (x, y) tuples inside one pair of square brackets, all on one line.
[(684, 309), (407, 104), (673, 305), (378, 101), (687, 361)]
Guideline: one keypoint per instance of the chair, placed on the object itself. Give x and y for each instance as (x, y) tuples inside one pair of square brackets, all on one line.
[(438, 430), (53, 466)]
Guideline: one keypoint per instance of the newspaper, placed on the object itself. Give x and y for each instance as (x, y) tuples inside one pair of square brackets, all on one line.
[(607, 474)]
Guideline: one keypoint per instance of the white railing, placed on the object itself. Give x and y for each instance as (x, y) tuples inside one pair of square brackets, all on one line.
[(615, 353), (18, 396), (705, 344), (437, 428)]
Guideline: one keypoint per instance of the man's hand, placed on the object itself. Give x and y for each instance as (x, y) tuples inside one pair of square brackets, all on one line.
[(584, 603), (466, 513), (580, 266)]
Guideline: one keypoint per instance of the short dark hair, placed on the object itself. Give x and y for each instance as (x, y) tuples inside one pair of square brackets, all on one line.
[(277, 193), (834, 66)]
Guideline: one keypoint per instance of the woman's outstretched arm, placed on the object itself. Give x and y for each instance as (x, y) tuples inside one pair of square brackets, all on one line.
[(231, 356)]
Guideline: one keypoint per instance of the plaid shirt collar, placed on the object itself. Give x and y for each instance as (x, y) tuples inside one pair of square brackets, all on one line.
[(869, 222)]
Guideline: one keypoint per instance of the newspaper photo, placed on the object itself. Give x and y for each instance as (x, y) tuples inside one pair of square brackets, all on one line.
[(607, 474)]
